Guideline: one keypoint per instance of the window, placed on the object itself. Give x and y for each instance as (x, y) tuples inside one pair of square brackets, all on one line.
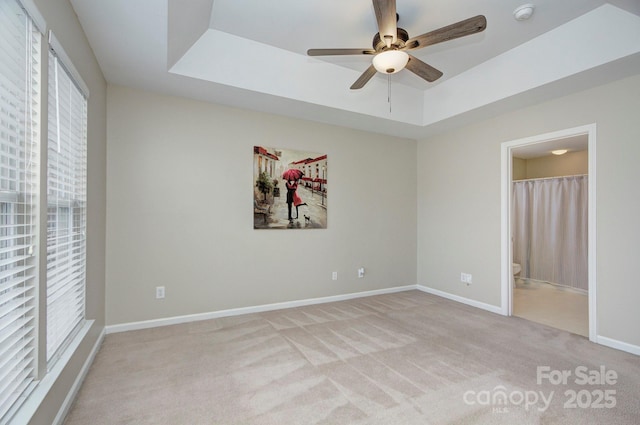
[(66, 207), (23, 207), (19, 166)]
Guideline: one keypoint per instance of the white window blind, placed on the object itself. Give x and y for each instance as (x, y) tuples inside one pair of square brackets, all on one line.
[(66, 207), (19, 156)]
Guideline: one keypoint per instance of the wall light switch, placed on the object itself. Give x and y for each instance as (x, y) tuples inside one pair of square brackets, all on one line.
[(159, 292), (361, 272)]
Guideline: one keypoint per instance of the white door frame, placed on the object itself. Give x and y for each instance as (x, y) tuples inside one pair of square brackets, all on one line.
[(506, 183)]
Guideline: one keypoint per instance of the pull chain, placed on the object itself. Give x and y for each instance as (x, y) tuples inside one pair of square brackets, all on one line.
[(389, 91)]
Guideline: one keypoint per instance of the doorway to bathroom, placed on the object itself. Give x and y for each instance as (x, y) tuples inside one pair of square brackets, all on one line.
[(548, 228)]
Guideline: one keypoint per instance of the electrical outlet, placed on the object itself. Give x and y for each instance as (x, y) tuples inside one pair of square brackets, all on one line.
[(334, 276), (361, 272), (466, 278), (159, 292)]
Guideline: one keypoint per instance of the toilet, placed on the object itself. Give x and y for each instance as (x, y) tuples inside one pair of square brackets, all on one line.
[(516, 270)]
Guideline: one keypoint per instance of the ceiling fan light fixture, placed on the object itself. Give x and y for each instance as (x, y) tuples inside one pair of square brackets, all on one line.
[(390, 61)]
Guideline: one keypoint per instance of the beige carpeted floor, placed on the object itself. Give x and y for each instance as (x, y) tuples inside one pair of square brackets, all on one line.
[(405, 358)]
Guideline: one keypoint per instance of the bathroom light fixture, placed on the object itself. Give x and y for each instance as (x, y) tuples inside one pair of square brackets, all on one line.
[(559, 151), (524, 12), (390, 61)]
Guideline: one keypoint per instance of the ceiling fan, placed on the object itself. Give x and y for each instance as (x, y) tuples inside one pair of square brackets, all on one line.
[(391, 43)]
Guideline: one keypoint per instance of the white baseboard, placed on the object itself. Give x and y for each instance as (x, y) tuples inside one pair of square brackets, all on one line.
[(73, 392), (146, 324), (463, 300), (618, 345), (248, 310)]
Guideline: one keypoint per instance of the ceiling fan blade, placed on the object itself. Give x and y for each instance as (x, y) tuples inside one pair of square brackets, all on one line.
[(450, 32), (387, 20), (423, 70), (364, 78), (337, 52)]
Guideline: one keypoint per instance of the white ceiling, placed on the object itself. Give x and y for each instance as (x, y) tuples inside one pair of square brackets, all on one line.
[(252, 54)]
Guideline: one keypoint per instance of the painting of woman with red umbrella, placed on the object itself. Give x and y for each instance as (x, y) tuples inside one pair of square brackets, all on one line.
[(292, 176), (305, 179)]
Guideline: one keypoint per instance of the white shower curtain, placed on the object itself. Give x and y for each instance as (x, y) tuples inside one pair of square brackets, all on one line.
[(549, 231)]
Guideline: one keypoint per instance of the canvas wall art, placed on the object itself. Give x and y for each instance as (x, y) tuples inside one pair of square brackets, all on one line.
[(289, 189)]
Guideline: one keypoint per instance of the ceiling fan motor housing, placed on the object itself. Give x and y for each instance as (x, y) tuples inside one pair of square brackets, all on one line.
[(379, 44)]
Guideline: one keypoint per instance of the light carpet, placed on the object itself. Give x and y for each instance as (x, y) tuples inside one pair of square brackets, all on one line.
[(404, 358)]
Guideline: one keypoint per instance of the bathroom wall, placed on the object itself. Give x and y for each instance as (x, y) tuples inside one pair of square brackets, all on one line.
[(569, 164), (519, 168)]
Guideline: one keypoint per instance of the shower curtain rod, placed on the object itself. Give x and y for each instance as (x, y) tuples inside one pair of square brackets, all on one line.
[(550, 178)]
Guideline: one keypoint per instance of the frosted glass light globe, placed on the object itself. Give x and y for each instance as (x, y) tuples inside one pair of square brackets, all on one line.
[(390, 61)]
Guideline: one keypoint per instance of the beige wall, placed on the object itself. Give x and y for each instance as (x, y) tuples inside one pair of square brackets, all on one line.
[(518, 168), (569, 164), (179, 210), (459, 211), (61, 18)]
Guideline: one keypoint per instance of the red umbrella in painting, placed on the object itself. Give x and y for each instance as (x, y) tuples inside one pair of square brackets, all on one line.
[(292, 174)]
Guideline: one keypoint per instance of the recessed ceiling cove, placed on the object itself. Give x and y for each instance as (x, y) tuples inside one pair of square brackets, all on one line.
[(253, 54)]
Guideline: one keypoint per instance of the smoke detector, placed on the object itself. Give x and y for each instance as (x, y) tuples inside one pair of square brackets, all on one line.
[(524, 12)]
